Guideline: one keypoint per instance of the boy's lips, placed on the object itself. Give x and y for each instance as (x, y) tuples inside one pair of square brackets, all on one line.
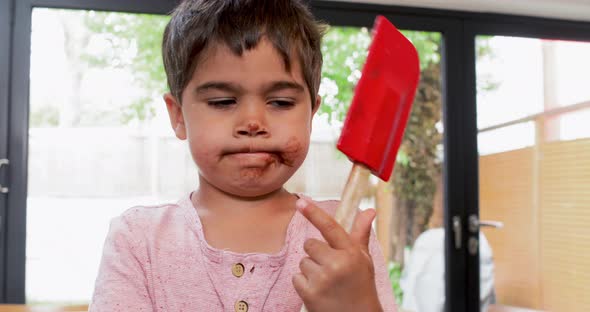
[(250, 149), (252, 154), (254, 159), (269, 153)]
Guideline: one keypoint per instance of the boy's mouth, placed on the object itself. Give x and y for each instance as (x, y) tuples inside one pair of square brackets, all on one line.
[(254, 155), (254, 159)]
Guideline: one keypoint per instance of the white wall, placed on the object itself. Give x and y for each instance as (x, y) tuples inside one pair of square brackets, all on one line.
[(562, 9)]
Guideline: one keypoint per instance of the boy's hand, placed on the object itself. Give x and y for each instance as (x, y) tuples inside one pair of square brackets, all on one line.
[(337, 275)]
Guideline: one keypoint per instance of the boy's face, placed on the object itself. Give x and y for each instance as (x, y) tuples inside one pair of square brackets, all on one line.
[(247, 119)]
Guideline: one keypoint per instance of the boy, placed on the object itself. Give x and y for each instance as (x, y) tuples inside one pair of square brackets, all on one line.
[(244, 78)]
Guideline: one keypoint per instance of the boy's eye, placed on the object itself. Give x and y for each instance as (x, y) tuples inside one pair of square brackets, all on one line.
[(221, 103), (282, 103)]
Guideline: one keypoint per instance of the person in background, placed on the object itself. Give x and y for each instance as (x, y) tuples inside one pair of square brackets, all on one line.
[(423, 277)]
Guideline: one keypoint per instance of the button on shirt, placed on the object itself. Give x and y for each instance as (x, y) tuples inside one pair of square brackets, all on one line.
[(156, 258), (237, 269), (241, 306)]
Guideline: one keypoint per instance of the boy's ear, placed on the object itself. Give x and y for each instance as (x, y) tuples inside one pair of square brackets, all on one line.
[(176, 116), (318, 102)]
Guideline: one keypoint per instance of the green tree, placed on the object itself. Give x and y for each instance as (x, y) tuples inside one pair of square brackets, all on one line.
[(344, 50), (132, 41)]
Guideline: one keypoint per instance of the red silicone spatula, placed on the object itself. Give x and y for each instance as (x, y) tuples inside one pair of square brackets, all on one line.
[(378, 114)]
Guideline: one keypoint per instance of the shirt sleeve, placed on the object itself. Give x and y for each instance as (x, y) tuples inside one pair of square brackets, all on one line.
[(382, 281), (122, 282)]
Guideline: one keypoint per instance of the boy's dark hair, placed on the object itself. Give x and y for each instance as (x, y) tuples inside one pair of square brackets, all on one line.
[(240, 24)]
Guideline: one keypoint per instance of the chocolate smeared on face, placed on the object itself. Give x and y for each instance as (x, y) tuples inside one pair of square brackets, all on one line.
[(290, 152), (251, 173), (286, 154)]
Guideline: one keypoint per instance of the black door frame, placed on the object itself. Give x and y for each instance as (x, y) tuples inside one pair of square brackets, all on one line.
[(5, 35), (461, 158), (495, 25)]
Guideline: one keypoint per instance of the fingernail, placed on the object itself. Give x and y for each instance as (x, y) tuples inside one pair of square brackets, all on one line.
[(301, 204)]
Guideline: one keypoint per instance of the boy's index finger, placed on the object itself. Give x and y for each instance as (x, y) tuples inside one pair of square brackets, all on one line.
[(332, 232)]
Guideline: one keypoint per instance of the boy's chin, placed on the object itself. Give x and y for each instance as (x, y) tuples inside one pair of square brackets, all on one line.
[(254, 190), (255, 193), (247, 189), (248, 183)]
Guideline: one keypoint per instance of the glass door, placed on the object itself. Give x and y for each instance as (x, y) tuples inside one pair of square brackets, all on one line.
[(99, 142), (533, 105), (80, 109), (92, 139)]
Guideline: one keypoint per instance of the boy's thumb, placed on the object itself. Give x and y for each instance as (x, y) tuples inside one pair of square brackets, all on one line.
[(361, 228)]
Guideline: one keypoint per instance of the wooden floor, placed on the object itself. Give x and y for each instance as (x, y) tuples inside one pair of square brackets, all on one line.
[(25, 308), (501, 308), (493, 308)]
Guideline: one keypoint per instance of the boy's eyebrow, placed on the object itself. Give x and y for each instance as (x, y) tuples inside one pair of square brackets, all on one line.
[(218, 85), (235, 88), (282, 85)]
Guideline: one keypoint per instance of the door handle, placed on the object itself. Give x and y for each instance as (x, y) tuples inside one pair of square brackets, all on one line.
[(492, 224), (458, 231), (473, 242), (3, 189)]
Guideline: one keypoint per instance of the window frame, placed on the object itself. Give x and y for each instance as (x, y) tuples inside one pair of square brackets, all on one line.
[(5, 36), (458, 30)]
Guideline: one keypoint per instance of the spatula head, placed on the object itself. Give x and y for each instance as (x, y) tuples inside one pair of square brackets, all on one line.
[(382, 101)]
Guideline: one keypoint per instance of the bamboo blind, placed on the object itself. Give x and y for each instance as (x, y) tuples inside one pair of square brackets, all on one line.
[(506, 194), (565, 225), (542, 194)]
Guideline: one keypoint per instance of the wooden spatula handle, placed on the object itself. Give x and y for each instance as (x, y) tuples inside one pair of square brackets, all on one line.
[(354, 190)]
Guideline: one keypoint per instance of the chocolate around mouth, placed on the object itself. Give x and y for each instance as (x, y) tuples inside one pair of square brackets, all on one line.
[(286, 155), (276, 156)]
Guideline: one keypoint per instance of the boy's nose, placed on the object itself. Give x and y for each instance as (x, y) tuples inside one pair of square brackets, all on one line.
[(251, 129), (252, 119)]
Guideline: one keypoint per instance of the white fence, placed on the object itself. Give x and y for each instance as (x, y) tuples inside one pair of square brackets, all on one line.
[(119, 162)]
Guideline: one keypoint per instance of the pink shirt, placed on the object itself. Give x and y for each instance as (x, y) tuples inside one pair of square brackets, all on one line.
[(156, 258)]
